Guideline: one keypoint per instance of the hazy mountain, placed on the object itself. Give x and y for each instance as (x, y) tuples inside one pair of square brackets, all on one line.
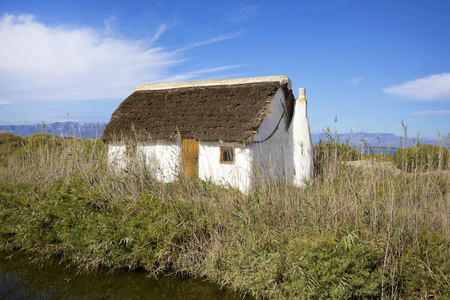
[(94, 130), (66, 129)]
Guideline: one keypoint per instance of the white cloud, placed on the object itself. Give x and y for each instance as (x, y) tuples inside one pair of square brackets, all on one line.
[(5, 121), (40, 62), (161, 29), (355, 81), (240, 12), (433, 87), (432, 112), (210, 41), (198, 73)]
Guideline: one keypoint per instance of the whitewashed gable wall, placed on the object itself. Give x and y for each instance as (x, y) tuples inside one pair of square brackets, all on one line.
[(271, 158)]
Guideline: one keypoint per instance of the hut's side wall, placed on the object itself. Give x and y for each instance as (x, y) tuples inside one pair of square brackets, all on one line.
[(273, 157), (117, 156), (236, 175), (162, 158)]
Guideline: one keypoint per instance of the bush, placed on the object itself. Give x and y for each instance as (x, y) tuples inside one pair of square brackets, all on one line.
[(325, 153), (352, 233), (9, 143), (320, 268), (422, 158)]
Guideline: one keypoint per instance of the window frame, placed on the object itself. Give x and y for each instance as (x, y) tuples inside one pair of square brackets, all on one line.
[(222, 151)]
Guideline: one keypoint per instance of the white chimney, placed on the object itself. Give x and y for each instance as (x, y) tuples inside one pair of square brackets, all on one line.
[(302, 93), (302, 143)]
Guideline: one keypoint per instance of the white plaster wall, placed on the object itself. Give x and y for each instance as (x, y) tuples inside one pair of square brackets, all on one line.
[(116, 157), (272, 159), (237, 175), (163, 158)]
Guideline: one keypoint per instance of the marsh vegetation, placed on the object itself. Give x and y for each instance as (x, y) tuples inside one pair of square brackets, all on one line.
[(352, 232)]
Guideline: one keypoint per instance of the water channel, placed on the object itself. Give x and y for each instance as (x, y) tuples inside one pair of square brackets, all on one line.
[(22, 279), (385, 151)]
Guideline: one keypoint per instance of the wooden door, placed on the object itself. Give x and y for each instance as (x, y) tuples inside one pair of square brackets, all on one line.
[(189, 157)]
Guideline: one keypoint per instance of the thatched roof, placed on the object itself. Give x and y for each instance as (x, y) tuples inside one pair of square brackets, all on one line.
[(227, 110)]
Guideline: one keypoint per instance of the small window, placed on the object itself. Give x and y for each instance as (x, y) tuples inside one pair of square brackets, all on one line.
[(226, 155)]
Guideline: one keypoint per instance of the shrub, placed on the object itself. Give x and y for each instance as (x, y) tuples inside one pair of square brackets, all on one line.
[(9, 143), (324, 269), (325, 153), (422, 158), (8, 137), (352, 233)]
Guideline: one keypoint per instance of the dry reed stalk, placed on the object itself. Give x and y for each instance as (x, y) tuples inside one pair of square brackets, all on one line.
[(208, 230)]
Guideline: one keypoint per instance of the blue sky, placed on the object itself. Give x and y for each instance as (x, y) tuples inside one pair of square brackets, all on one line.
[(370, 63)]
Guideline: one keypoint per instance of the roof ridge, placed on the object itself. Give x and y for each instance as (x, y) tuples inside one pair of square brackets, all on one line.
[(214, 82)]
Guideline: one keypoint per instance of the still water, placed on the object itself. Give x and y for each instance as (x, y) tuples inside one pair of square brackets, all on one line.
[(21, 279), (384, 151)]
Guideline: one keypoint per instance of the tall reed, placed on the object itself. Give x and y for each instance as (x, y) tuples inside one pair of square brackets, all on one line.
[(364, 230)]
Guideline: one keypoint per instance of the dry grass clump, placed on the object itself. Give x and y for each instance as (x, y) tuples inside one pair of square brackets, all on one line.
[(352, 232)]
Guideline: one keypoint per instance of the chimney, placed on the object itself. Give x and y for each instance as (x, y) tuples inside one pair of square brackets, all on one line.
[(302, 93), (301, 141)]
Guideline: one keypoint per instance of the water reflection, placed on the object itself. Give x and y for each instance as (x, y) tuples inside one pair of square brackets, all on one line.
[(20, 279)]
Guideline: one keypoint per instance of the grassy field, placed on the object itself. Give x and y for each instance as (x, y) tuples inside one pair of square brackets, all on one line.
[(375, 230)]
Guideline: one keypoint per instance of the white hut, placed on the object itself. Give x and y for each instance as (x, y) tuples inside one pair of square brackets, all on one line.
[(227, 131)]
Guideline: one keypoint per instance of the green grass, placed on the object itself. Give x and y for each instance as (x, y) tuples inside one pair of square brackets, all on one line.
[(351, 233)]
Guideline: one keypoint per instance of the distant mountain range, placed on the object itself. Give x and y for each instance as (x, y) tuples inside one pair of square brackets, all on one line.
[(66, 129), (373, 140), (94, 131)]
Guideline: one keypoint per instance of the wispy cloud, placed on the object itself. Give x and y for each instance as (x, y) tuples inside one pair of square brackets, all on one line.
[(241, 12), (433, 87), (432, 112), (209, 41), (198, 73), (161, 29), (355, 81), (5, 121), (110, 23), (41, 62)]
